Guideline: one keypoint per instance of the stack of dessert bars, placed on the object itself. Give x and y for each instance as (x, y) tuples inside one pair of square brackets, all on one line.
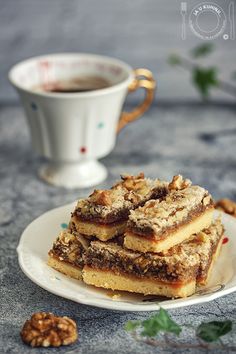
[(143, 236)]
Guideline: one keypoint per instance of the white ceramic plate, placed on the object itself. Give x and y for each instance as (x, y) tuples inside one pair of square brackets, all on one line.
[(38, 237)]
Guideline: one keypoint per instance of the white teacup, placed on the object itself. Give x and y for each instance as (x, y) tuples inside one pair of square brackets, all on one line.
[(72, 130)]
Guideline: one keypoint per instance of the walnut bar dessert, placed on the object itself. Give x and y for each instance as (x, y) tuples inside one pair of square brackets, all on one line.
[(66, 254), (104, 213), (144, 236), (160, 225), (175, 273)]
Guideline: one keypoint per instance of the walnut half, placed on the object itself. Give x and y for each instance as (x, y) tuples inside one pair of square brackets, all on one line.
[(101, 197), (45, 329), (133, 183), (226, 205), (178, 183)]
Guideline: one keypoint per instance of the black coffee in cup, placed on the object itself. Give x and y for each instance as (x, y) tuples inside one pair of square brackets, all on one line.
[(78, 84)]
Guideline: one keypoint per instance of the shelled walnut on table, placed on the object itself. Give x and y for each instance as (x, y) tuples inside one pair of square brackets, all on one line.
[(45, 329)]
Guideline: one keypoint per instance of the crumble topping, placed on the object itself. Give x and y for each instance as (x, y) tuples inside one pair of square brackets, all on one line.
[(69, 247), (114, 204), (156, 216)]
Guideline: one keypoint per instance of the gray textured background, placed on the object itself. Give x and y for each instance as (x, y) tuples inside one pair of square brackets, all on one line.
[(141, 32), (170, 139)]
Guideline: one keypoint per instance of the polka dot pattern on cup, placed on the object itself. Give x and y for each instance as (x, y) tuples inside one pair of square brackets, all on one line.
[(100, 125)]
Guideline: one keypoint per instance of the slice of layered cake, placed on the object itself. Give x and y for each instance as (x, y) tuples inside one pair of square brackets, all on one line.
[(160, 225), (104, 213), (66, 254), (174, 273)]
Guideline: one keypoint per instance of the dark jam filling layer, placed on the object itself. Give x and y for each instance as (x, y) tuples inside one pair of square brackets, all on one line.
[(161, 271)]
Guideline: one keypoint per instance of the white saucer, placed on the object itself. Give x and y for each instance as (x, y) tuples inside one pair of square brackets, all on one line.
[(38, 237)]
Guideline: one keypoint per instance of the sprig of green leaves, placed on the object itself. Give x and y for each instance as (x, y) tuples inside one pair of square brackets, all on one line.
[(203, 78), (161, 322)]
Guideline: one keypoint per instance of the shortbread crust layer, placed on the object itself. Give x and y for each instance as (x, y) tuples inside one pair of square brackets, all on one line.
[(101, 231), (145, 244), (65, 268), (110, 280)]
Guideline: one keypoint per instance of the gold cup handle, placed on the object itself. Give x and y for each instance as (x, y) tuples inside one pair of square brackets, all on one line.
[(143, 79)]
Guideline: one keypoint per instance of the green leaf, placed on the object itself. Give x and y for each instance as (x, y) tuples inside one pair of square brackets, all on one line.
[(211, 331), (174, 59), (150, 327), (204, 79), (132, 325), (160, 322), (202, 50)]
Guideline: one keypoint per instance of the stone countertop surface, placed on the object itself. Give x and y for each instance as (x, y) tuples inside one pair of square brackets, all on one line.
[(197, 141)]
